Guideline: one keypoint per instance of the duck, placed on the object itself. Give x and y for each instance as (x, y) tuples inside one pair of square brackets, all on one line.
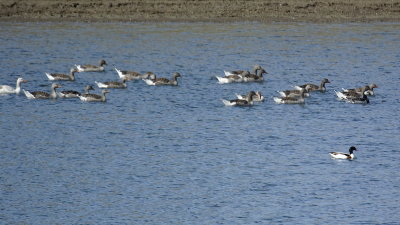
[(291, 100), (346, 95), (92, 68), (94, 97), (153, 80), (256, 98), (130, 75), (42, 94), (368, 92), (59, 76), (112, 84), (257, 77), (239, 72), (314, 87), (295, 93), (248, 101), (74, 94), (5, 89), (341, 155)]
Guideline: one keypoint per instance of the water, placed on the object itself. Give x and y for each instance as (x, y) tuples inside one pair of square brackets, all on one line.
[(176, 155)]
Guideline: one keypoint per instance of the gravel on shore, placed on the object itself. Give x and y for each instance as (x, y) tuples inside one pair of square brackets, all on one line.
[(201, 10)]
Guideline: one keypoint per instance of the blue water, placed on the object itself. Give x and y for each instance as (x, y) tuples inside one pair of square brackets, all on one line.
[(176, 155)]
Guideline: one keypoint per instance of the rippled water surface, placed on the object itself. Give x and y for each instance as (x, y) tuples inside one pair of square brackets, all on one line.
[(177, 155)]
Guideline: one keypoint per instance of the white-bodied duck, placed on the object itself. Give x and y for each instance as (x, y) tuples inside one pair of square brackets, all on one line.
[(94, 97), (341, 155), (42, 94), (314, 87), (112, 84), (233, 78), (153, 80), (74, 94), (60, 76), (6, 89), (248, 101), (92, 68), (258, 97), (291, 100)]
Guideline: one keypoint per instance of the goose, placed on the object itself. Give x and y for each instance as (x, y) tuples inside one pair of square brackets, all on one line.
[(291, 100), (92, 68), (43, 95), (350, 95), (5, 89), (130, 75), (112, 84), (238, 72), (258, 97), (153, 80), (74, 94), (314, 87), (360, 100), (358, 90), (59, 76), (94, 97), (295, 93), (248, 101), (257, 77), (341, 155), (234, 78)]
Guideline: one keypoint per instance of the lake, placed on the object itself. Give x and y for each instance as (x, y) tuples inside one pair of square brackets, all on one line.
[(176, 154)]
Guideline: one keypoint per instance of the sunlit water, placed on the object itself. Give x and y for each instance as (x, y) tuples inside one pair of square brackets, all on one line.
[(176, 155)]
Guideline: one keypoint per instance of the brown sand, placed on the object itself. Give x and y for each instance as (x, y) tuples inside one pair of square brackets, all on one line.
[(200, 10)]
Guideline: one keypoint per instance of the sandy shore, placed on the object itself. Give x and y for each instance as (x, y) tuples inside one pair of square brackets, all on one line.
[(201, 10)]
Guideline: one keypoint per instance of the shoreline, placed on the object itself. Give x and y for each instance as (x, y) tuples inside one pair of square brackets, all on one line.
[(222, 11)]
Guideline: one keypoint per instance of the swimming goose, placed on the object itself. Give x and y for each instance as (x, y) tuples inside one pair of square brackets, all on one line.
[(248, 101), (130, 75), (94, 97), (360, 100), (291, 100), (92, 68), (314, 87), (59, 76), (112, 84), (153, 80), (74, 94), (42, 94), (349, 95), (5, 89), (258, 97), (341, 155), (257, 77), (233, 78), (295, 93), (239, 72), (368, 92)]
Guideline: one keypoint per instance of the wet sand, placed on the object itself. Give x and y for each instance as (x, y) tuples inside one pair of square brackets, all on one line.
[(201, 10)]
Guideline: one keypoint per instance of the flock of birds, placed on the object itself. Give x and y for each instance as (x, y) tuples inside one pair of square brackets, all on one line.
[(294, 96)]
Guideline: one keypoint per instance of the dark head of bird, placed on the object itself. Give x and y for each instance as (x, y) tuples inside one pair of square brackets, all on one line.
[(103, 62), (351, 149)]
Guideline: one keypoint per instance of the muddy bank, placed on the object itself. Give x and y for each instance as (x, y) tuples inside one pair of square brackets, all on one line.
[(200, 10)]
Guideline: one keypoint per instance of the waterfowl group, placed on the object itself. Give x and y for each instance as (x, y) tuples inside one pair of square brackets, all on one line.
[(239, 76)]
